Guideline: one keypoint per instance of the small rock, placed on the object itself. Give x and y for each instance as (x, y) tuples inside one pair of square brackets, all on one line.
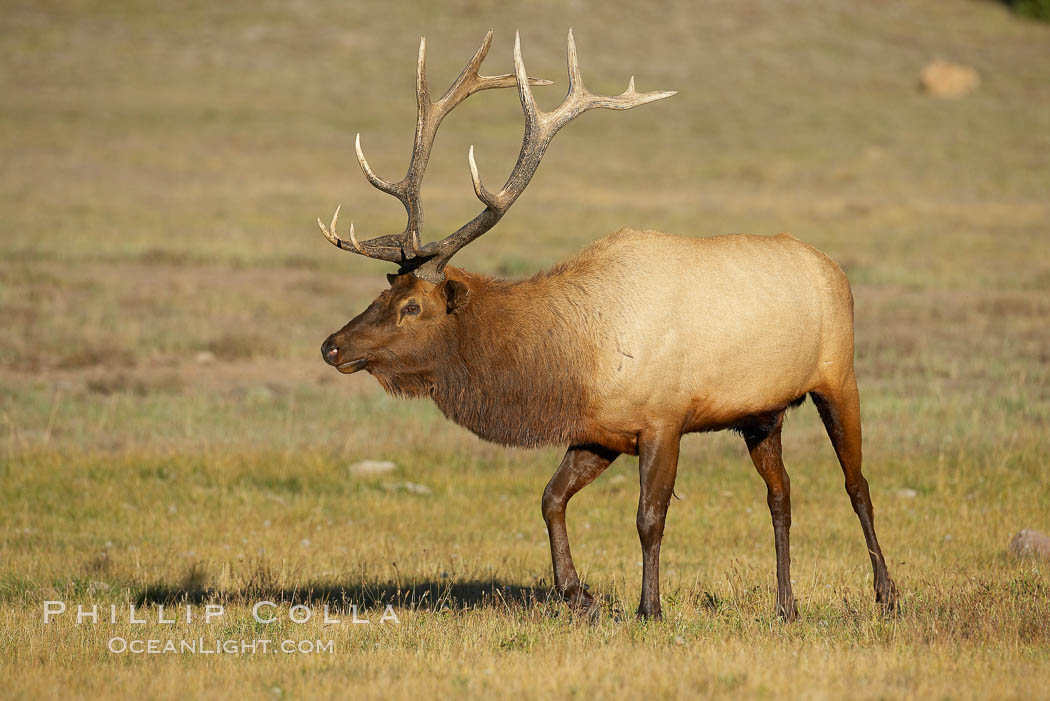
[(416, 488), (410, 487), (907, 493), (371, 467), (1029, 543), (948, 80), (204, 357)]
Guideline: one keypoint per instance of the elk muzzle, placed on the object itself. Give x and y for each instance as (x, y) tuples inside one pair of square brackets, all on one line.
[(330, 351)]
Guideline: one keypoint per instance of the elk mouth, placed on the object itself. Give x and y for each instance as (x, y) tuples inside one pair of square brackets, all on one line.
[(352, 366)]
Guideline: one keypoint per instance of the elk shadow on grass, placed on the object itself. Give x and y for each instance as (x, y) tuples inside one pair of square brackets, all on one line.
[(429, 595)]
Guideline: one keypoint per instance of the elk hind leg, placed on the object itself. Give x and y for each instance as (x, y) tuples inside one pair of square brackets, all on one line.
[(840, 411)]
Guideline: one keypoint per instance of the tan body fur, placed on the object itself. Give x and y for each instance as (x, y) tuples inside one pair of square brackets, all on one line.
[(701, 332)]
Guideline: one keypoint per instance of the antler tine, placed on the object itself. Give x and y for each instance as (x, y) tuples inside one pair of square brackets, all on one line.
[(579, 99), (469, 76), (484, 195), (377, 182), (336, 241), (528, 102), (497, 201), (637, 98), (334, 237), (575, 79), (540, 128), (471, 81), (421, 74)]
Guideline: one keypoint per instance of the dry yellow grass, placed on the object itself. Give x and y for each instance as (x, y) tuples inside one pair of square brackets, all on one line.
[(169, 434)]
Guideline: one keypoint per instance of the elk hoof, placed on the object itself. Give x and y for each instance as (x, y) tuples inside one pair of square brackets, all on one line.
[(650, 613), (579, 600), (886, 596), (787, 610)]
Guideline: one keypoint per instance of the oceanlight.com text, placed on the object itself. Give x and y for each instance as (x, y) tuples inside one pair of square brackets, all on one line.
[(200, 646)]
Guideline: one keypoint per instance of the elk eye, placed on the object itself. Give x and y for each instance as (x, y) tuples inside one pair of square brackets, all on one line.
[(410, 308)]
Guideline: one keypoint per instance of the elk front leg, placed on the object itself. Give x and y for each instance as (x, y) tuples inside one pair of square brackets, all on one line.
[(763, 443), (580, 466), (657, 467)]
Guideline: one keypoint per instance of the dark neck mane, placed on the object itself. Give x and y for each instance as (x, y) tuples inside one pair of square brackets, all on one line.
[(515, 369)]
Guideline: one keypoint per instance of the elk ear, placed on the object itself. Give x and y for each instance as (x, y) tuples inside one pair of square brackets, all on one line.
[(455, 293), (391, 278)]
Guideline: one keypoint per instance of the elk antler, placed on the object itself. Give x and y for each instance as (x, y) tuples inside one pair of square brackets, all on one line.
[(404, 247), (428, 262)]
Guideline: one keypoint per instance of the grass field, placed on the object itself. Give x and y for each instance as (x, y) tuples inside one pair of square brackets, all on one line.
[(170, 435)]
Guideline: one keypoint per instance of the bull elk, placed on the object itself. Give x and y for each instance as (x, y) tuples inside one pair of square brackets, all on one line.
[(639, 339)]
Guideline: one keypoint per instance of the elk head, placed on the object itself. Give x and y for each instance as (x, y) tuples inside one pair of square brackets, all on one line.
[(402, 333), (397, 337)]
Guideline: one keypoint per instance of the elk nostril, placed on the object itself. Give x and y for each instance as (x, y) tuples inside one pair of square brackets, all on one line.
[(329, 351)]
